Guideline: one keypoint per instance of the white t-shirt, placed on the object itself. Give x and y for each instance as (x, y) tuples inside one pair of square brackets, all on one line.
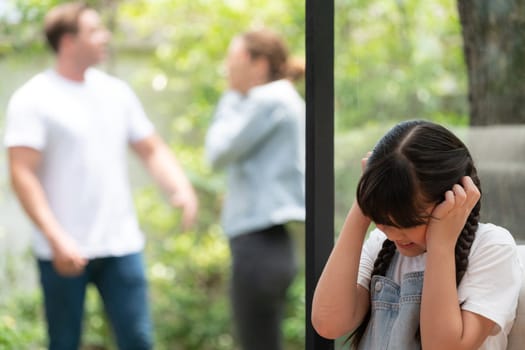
[(490, 286), (82, 130)]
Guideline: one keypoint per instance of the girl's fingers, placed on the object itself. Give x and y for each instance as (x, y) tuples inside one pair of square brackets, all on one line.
[(460, 196), (471, 190), (364, 160), (443, 208)]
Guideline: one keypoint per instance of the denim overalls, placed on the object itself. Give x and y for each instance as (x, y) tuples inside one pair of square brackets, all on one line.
[(394, 321)]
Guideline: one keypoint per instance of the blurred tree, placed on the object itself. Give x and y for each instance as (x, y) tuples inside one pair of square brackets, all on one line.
[(494, 51), (494, 47)]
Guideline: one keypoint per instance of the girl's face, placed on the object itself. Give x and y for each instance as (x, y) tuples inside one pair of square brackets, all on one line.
[(409, 241)]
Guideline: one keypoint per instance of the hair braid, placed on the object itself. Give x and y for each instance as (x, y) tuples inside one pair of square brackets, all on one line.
[(383, 260), (464, 242), (384, 257)]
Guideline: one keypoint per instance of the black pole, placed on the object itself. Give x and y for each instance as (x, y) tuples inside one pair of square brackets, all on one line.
[(319, 151)]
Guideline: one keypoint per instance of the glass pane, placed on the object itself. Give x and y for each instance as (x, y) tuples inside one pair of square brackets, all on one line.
[(458, 65), (399, 60)]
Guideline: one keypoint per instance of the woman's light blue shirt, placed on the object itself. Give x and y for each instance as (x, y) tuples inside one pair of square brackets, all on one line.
[(259, 139)]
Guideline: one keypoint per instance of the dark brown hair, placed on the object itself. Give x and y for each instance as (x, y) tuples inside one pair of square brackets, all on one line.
[(413, 166), (60, 20), (267, 44)]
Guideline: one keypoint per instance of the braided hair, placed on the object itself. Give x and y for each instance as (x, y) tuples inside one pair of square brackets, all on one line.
[(423, 160)]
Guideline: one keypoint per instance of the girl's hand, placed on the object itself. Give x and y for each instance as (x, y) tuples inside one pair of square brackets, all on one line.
[(360, 214), (364, 160), (449, 217)]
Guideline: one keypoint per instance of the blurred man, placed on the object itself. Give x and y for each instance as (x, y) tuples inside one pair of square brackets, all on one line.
[(68, 130)]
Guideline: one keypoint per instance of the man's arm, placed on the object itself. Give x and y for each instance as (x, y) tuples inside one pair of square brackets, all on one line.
[(166, 170), (23, 163)]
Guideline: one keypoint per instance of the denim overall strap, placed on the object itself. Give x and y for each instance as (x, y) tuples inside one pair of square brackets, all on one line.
[(394, 320)]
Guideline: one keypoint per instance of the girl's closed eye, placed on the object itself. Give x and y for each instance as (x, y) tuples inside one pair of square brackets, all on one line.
[(409, 241)]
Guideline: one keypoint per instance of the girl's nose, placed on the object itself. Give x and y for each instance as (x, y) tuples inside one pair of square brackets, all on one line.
[(395, 236), (392, 233)]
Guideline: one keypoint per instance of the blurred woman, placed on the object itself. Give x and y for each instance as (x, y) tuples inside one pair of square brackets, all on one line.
[(257, 136)]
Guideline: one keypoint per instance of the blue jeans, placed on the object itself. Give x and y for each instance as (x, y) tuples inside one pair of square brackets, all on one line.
[(122, 285)]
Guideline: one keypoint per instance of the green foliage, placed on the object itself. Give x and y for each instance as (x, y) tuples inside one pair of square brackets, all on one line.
[(20, 323), (188, 274), (294, 322), (190, 280), (398, 60)]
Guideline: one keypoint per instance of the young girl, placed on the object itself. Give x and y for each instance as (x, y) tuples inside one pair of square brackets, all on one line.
[(430, 275)]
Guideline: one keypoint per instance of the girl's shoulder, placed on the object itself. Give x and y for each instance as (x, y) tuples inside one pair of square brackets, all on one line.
[(493, 246), (375, 239), (489, 234)]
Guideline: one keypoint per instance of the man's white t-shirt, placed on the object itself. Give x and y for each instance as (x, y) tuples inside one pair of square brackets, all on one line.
[(490, 286), (83, 130)]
